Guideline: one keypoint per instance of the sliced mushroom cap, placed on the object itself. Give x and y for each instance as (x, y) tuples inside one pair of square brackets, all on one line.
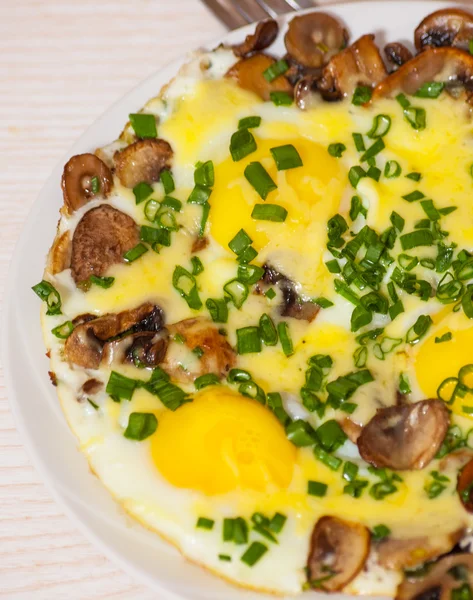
[(456, 460), (410, 553), (313, 39), (143, 349), (447, 27), (465, 486), (77, 180), (215, 355), (397, 54), (338, 551), (305, 92), (404, 437), (265, 34), (100, 239), (351, 429), (293, 305), (248, 73), (359, 64), (59, 257), (448, 65), (84, 346), (448, 574), (142, 161)]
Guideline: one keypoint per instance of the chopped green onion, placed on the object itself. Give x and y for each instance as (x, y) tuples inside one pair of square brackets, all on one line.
[(136, 252), (404, 386), (277, 523), (286, 157), (275, 70), (361, 95), (151, 235), (49, 294), (240, 531), (449, 289), (274, 402), (168, 181), (268, 332), (242, 143), (249, 122), (344, 290), (251, 390), (373, 150), (199, 195), (419, 329), (331, 436), (413, 196), (414, 176), (333, 266), (166, 219), (240, 242), (446, 337), (248, 340), (421, 237), (237, 291), (204, 174), (301, 434), (416, 117), (151, 209), (355, 488), (259, 178), (431, 89), (392, 169), (281, 98), (256, 550), (284, 336), (206, 380), (427, 263), (381, 126), (332, 462), (357, 208), (203, 523), (375, 302), (467, 302), (228, 526), (397, 221), (336, 150), (93, 404), (360, 356), (238, 375), (360, 317), (380, 532), (270, 294), (218, 310), (197, 266), (103, 282), (374, 172), (225, 557), (247, 255), (396, 309), (171, 202), (249, 274), (403, 101), (316, 488), (407, 262), (170, 395), (355, 174), (140, 426), (95, 184), (323, 302), (265, 533), (64, 330), (142, 191), (185, 284), (120, 387), (465, 271), (350, 471), (430, 210), (359, 142), (144, 125), (269, 212)]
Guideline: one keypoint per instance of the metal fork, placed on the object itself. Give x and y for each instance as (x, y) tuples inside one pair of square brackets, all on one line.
[(235, 13)]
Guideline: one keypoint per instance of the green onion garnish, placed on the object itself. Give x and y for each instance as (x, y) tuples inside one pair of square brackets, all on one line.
[(248, 340), (49, 294), (269, 212), (257, 550), (332, 462), (171, 202), (285, 337), (323, 302), (416, 117), (240, 531), (249, 122), (249, 274), (465, 271), (151, 210), (360, 317), (151, 235), (380, 532), (281, 98), (413, 196), (237, 291), (300, 433), (286, 157), (168, 181), (414, 176), (240, 242), (135, 252), (238, 376), (336, 150), (355, 174), (103, 282), (419, 329), (199, 195), (404, 386), (251, 390), (204, 523), (359, 142), (344, 290), (260, 179), (274, 402), (373, 150), (64, 330), (268, 332), (218, 309), (204, 174), (95, 184), (225, 557), (185, 284), (275, 70), (333, 266), (197, 266), (120, 387), (277, 523), (316, 488), (392, 169), (170, 395), (397, 221), (360, 356), (421, 237), (357, 208), (467, 302), (381, 126), (350, 471), (242, 143), (206, 380), (142, 191), (446, 337), (449, 289), (407, 262), (144, 125), (374, 172), (403, 101), (247, 255), (447, 210), (430, 210), (331, 436), (361, 95), (140, 426), (396, 309), (431, 89)]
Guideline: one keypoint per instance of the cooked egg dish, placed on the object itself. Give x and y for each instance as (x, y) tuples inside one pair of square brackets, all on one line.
[(258, 311)]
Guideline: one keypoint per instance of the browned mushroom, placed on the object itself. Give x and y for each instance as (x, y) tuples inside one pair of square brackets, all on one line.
[(293, 305), (338, 551), (84, 347), (448, 574), (359, 64), (78, 183), (198, 348), (143, 349), (447, 27), (313, 39), (91, 387), (248, 73), (264, 35), (448, 65), (100, 239), (412, 552), (465, 486), (397, 54), (351, 429), (305, 92), (59, 257), (142, 161), (200, 243), (404, 437)]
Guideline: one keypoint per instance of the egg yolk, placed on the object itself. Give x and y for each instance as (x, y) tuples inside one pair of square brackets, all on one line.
[(222, 441)]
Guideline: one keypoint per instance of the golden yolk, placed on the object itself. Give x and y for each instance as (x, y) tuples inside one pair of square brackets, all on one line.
[(222, 441), (301, 191)]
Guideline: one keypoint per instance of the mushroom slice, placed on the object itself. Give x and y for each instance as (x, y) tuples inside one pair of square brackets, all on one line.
[(404, 437), (448, 574), (293, 305), (59, 257), (359, 64), (412, 552), (143, 349), (351, 429), (84, 177), (338, 551), (248, 73), (397, 54), (305, 92), (456, 460), (197, 348), (465, 486), (100, 239), (447, 27), (84, 346), (313, 39), (142, 161), (265, 34), (448, 65)]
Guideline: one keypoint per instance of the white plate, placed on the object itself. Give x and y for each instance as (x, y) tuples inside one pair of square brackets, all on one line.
[(33, 399)]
